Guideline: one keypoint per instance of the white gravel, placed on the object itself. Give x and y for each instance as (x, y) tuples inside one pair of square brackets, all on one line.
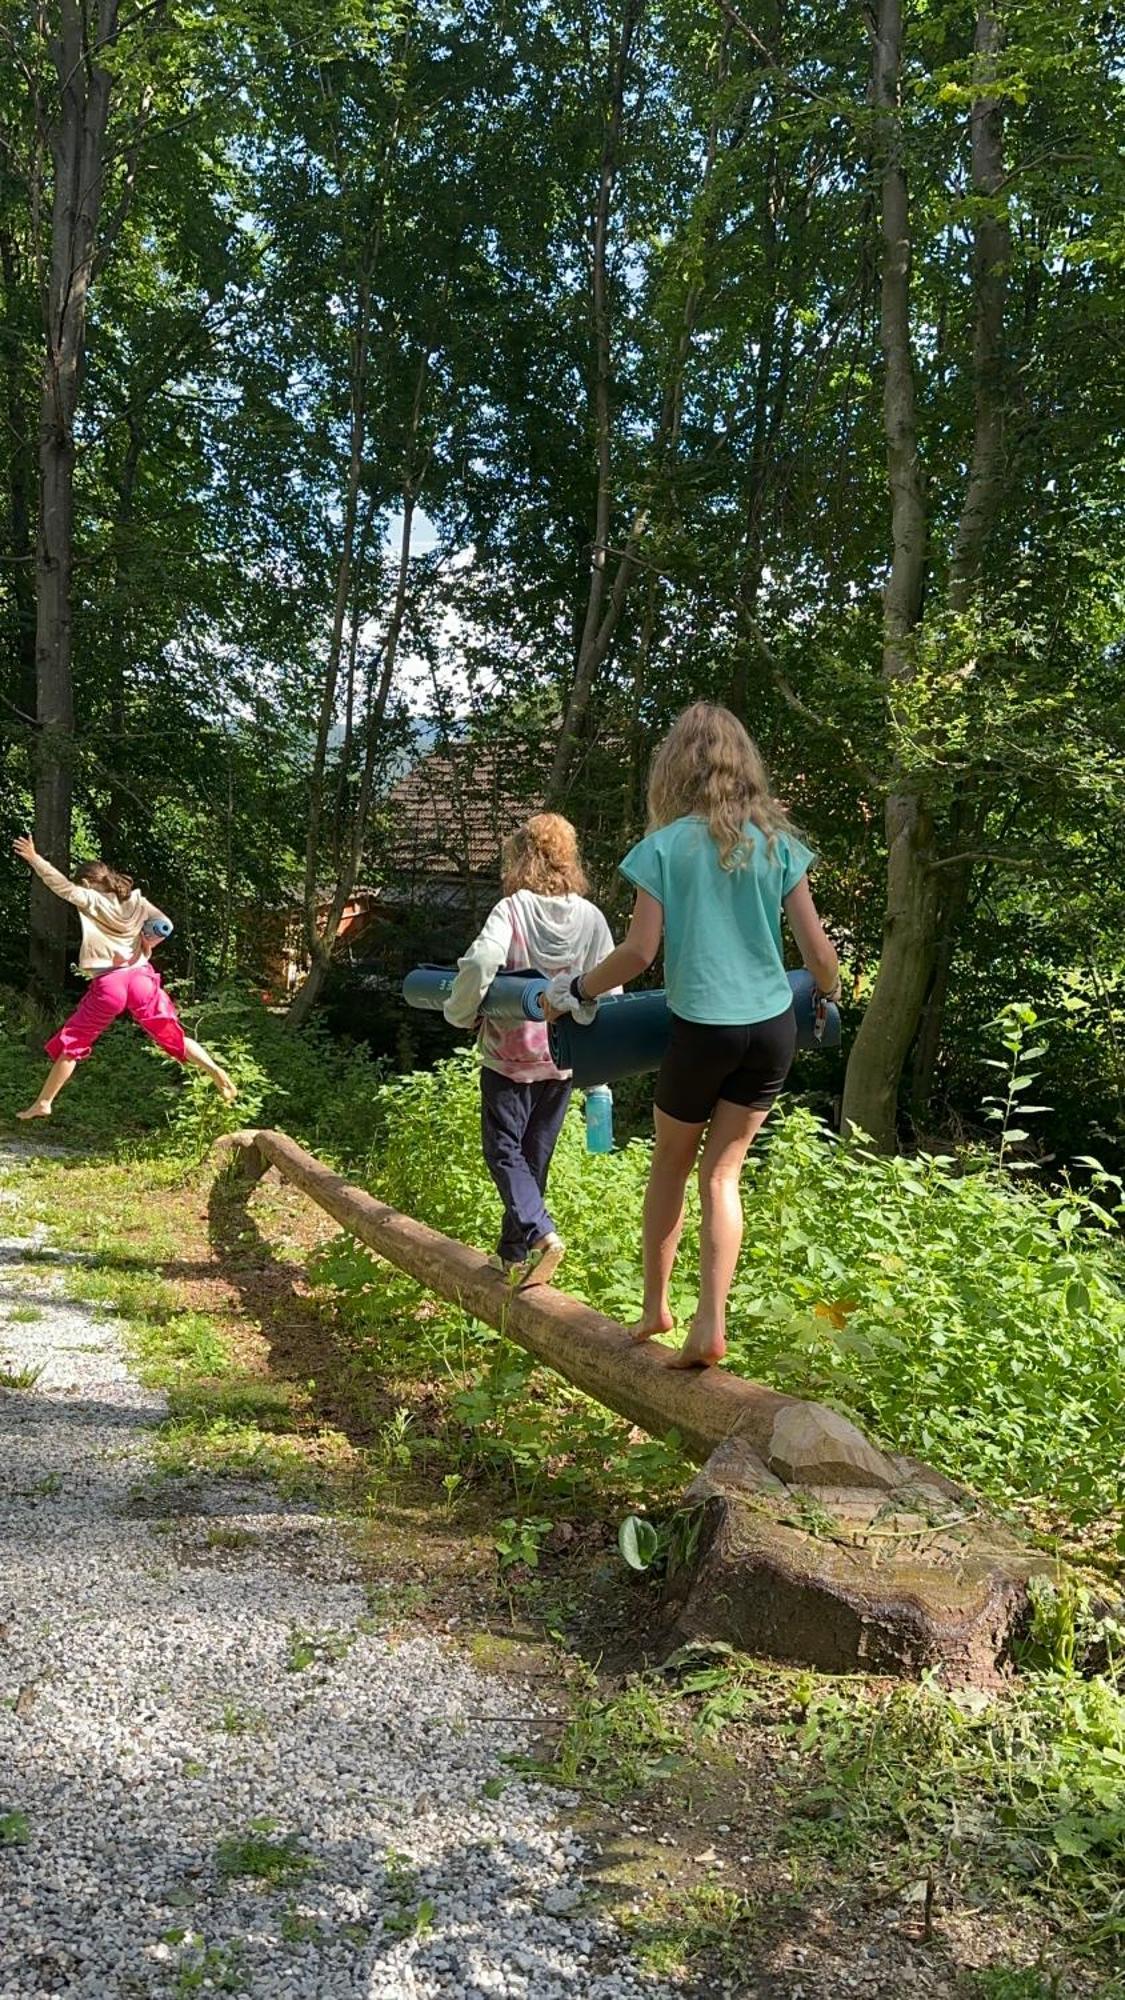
[(153, 1713)]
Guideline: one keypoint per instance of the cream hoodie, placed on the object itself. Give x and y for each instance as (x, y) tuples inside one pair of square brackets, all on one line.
[(111, 931), (525, 933)]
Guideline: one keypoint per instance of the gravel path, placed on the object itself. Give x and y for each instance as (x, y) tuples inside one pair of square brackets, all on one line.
[(216, 1774)]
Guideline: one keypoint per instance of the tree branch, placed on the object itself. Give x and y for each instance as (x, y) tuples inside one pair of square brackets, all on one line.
[(793, 700), (983, 854)]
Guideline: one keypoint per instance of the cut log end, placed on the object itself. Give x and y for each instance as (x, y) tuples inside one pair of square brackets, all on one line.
[(848, 1579)]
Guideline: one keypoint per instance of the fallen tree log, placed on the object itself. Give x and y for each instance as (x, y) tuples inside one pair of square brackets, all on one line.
[(799, 1538)]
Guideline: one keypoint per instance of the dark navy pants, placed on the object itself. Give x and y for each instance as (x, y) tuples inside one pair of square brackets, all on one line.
[(520, 1124)]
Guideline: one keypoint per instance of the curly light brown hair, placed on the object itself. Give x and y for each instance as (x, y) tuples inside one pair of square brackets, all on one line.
[(98, 875), (542, 855), (708, 767)]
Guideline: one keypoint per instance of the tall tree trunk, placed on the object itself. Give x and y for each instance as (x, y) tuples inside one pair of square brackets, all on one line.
[(324, 936), (357, 433), (606, 602), (350, 545), (21, 543), (887, 1030), (118, 629), (992, 249), (600, 620), (77, 137)]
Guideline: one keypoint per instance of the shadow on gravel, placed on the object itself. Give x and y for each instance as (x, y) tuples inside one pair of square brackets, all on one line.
[(341, 1917), (22, 1410), (300, 1343), (31, 1255)]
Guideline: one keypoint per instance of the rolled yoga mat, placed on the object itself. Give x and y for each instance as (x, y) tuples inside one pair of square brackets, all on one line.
[(512, 996), (628, 1035)]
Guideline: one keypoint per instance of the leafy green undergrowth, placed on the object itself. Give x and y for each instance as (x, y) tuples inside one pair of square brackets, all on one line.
[(1011, 1802), (958, 1313), (129, 1098), (1021, 1798)]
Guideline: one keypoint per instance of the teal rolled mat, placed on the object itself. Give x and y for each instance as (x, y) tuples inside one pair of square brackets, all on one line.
[(512, 996), (629, 1034)]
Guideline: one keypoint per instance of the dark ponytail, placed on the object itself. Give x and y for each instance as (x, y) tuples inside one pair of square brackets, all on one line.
[(96, 875)]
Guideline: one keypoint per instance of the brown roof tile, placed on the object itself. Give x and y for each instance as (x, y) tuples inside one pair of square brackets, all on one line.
[(448, 816)]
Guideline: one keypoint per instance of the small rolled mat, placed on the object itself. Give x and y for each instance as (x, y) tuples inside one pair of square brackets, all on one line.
[(629, 1034), (512, 996)]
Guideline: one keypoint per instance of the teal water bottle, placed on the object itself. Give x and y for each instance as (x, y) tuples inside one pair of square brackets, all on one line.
[(599, 1119)]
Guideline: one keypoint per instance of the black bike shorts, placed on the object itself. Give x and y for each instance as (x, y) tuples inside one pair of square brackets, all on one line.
[(746, 1065)]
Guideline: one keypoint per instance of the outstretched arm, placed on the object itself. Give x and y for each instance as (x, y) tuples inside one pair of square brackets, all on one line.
[(486, 956), (52, 878)]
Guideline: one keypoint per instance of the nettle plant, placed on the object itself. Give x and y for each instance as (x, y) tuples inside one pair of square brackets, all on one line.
[(1015, 1025)]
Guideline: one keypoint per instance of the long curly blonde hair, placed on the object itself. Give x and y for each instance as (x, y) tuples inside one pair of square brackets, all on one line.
[(542, 855), (709, 768)]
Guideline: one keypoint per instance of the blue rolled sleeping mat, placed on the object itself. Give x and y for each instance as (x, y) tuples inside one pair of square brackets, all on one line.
[(512, 996), (629, 1033)]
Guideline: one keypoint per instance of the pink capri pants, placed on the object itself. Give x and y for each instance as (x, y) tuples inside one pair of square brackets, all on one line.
[(128, 989)]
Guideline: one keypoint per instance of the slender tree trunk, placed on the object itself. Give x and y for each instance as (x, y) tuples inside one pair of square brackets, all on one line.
[(600, 621), (325, 936), (118, 635), (753, 563), (358, 392), (606, 602), (887, 1030), (21, 541), (992, 250), (77, 137), (991, 258)]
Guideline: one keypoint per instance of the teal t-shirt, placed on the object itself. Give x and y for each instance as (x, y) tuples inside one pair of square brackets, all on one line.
[(722, 926)]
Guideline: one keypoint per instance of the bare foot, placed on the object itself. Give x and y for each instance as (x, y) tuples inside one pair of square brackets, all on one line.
[(36, 1110), (650, 1324), (700, 1350)]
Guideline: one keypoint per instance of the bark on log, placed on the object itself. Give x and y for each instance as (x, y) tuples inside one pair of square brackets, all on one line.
[(798, 1440)]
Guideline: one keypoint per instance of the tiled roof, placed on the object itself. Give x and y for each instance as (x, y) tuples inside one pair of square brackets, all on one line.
[(448, 816)]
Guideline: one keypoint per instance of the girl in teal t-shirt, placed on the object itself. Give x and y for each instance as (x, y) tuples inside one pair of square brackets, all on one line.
[(717, 867)]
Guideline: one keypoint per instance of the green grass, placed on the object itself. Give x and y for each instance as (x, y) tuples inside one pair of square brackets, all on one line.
[(259, 1857), (20, 1378), (24, 1315), (239, 1401), (1013, 1983), (239, 1721), (14, 1829), (678, 1927)]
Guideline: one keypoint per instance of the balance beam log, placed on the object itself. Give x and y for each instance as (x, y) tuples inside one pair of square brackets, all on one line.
[(799, 1539)]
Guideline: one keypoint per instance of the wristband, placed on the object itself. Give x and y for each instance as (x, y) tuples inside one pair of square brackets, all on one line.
[(576, 989)]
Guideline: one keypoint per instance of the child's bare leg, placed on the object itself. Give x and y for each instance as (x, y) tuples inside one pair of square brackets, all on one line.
[(59, 1073), (673, 1157), (197, 1054), (733, 1129)]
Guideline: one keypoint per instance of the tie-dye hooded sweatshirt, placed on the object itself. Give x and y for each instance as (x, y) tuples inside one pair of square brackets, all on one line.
[(525, 933)]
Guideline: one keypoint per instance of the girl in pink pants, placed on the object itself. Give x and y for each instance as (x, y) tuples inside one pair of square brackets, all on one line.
[(116, 957)]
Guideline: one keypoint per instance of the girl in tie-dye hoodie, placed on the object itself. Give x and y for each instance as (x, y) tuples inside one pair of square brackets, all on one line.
[(543, 923)]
